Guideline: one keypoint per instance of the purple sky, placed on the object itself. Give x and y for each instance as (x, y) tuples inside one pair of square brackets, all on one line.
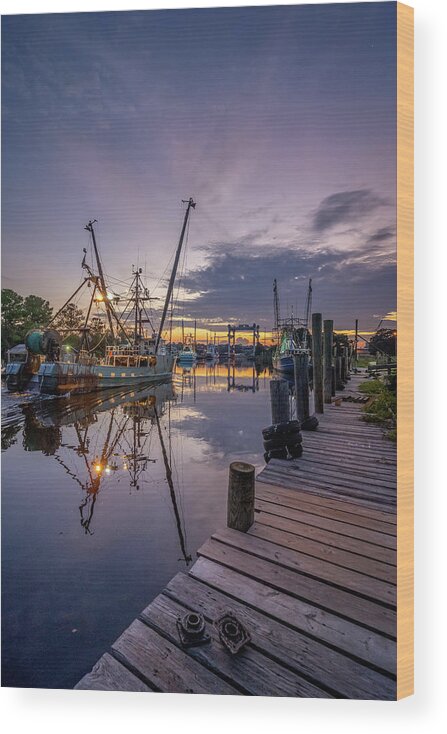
[(279, 121)]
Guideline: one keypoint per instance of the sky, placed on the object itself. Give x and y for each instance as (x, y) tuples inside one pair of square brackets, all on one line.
[(279, 121)]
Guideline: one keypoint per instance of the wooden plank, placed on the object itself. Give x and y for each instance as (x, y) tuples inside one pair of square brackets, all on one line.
[(366, 498), (335, 526), (351, 638), (317, 593), (348, 579), (314, 471), (288, 500), (109, 675), (351, 507), (312, 455), (328, 667), (163, 665), (252, 672), (337, 556), (386, 555)]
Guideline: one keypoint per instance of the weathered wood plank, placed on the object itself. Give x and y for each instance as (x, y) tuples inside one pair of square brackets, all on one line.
[(337, 556), (304, 472), (353, 531), (328, 667), (351, 507), (251, 671), (289, 500), (386, 555), (164, 666), (346, 494), (347, 579), (109, 675), (317, 593), (363, 644)]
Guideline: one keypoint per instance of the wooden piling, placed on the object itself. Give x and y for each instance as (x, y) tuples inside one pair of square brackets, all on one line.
[(339, 384), (241, 496), (279, 400), (317, 361), (301, 372), (327, 359)]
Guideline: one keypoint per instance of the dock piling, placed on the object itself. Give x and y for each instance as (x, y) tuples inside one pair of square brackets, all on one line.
[(241, 496), (279, 400), (301, 372), (327, 359), (317, 361)]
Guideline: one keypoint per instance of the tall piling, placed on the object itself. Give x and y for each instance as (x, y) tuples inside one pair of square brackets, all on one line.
[(301, 372), (279, 400), (317, 361), (327, 359)]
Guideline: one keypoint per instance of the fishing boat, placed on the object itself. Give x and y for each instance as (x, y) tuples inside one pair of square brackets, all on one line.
[(211, 352), (130, 358), (187, 355), (292, 334)]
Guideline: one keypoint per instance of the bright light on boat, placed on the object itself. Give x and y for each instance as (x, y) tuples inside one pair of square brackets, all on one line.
[(99, 297), (98, 468), (108, 470)]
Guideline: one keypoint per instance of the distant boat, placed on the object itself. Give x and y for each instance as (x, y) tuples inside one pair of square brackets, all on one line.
[(211, 352), (137, 359), (187, 355)]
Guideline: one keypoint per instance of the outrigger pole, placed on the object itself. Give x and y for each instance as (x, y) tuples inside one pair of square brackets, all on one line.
[(191, 205), (89, 228)]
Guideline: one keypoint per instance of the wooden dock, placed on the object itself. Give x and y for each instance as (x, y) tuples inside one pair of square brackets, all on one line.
[(313, 581)]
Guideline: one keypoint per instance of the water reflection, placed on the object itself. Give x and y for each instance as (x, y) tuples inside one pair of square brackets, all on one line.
[(114, 435), (105, 498)]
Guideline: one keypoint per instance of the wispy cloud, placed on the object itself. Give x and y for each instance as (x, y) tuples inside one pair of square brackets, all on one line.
[(345, 207)]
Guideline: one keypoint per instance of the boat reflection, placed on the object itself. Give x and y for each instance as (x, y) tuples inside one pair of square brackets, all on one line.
[(116, 434)]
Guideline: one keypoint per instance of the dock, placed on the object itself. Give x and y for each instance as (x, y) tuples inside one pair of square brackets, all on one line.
[(313, 581)]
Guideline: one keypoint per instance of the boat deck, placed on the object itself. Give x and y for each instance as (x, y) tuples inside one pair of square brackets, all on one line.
[(313, 581)]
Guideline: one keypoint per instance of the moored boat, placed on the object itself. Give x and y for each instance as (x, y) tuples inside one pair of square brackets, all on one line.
[(136, 358)]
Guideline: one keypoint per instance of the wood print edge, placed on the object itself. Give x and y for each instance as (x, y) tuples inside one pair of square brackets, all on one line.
[(405, 350)]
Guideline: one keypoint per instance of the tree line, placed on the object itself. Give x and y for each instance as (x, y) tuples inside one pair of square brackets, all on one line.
[(22, 314)]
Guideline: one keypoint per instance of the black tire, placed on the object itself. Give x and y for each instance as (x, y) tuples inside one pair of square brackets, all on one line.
[(295, 451), (278, 453), (310, 424), (279, 441), (281, 429)]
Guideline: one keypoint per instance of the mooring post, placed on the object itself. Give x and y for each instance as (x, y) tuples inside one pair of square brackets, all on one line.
[(339, 384), (344, 365), (279, 400), (333, 381), (241, 496), (301, 371), (317, 361), (327, 359)]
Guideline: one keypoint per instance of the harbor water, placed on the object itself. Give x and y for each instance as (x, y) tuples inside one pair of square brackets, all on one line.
[(105, 497)]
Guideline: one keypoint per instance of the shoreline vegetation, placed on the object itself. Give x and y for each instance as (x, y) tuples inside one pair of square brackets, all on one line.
[(381, 408)]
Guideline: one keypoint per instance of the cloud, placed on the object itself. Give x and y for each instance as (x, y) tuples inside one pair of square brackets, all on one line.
[(345, 207), (235, 284), (382, 235)]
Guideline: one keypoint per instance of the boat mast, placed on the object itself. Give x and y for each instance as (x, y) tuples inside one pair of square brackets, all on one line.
[(191, 205), (89, 228), (276, 306)]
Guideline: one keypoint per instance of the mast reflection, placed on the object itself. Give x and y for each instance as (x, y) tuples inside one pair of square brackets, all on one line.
[(115, 434)]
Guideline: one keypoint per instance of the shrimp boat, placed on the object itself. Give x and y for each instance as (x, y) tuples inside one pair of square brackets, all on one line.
[(129, 359), (292, 334)]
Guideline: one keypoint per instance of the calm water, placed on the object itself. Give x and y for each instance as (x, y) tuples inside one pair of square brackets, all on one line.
[(106, 497)]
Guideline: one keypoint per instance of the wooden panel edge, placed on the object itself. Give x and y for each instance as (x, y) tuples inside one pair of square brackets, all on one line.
[(405, 351)]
